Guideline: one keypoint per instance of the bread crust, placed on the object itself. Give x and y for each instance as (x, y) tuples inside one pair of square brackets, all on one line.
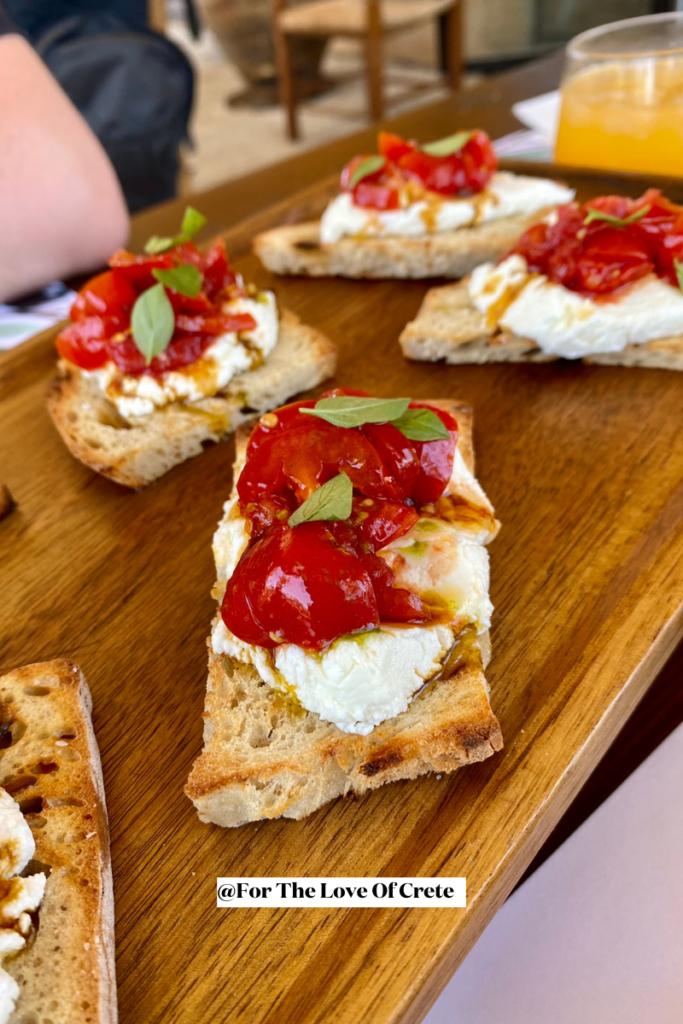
[(52, 768), (138, 452), (266, 757), (448, 326), (296, 249)]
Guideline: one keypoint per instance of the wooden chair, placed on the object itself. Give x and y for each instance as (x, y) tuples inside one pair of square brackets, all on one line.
[(370, 20)]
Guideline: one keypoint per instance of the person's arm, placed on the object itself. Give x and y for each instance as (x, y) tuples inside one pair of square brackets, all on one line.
[(61, 208)]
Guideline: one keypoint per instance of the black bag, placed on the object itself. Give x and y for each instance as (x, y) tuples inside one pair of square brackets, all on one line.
[(135, 91)]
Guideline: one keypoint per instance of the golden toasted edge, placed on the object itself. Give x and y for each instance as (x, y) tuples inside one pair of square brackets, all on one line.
[(449, 327), (296, 249), (68, 679), (136, 454), (228, 791)]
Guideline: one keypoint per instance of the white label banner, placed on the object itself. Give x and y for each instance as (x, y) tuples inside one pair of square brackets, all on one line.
[(341, 892)]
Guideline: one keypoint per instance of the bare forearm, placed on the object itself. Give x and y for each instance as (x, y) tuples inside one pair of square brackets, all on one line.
[(61, 208)]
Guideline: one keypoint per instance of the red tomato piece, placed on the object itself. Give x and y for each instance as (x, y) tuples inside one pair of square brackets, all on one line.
[(436, 459), (394, 604), (393, 147), (379, 522), (376, 196), (276, 422), (398, 455), (183, 350), (220, 323), (600, 257), (83, 343), (303, 458), (137, 270), (303, 586), (268, 511), (106, 295)]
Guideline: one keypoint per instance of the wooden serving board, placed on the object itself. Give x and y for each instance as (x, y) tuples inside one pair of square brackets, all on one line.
[(585, 467)]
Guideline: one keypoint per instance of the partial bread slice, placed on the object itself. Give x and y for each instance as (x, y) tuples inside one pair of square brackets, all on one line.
[(296, 249), (265, 756), (137, 452), (50, 764), (448, 326)]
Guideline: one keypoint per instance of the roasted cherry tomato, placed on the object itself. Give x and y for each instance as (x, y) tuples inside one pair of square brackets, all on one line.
[(379, 522), (600, 257), (398, 455), (462, 173), (394, 604), (221, 323), (276, 422), (304, 586), (83, 343), (308, 455), (107, 295), (393, 147), (436, 459), (137, 270)]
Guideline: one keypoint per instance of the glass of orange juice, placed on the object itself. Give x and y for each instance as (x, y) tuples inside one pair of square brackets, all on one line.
[(622, 97)]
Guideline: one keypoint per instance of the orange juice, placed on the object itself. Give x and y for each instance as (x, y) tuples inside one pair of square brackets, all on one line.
[(624, 115)]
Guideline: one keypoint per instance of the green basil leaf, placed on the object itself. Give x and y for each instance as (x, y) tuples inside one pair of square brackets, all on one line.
[(352, 411), (366, 167), (331, 501), (153, 322), (448, 146), (155, 245), (678, 267), (184, 279), (193, 221), (421, 425), (618, 222)]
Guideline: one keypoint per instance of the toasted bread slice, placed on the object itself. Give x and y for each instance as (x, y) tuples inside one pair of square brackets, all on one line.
[(51, 766), (265, 756), (137, 452), (448, 326), (297, 249)]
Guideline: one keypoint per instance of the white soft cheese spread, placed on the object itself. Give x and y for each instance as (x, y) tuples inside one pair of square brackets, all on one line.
[(229, 355), (18, 896), (505, 196), (361, 681), (564, 323)]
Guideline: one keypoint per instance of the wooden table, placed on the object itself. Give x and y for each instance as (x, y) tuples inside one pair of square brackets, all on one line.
[(585, 466)]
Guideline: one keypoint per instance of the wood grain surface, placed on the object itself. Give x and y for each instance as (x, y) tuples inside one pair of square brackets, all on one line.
[(585, 468), (586, 472)]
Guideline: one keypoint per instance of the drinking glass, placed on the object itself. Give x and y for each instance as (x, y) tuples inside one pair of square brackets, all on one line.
[(622, 97)]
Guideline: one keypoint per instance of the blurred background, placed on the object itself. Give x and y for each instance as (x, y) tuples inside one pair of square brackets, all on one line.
[(184, 93)]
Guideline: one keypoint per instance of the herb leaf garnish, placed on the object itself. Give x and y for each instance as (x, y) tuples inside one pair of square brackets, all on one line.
[(365, 168), (152, 322), (331, 501), (446, 147), (193, 221), (618, 222), (184, 279), (421, 425), (353, 411)]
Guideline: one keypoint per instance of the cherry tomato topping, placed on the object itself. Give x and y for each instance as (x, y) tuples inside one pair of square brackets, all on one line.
[(394, 604), (600, 257), (137, 270), (304, 586), (379, 522), (436, 459), (83, 343), (108, 294), (464, 172)]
